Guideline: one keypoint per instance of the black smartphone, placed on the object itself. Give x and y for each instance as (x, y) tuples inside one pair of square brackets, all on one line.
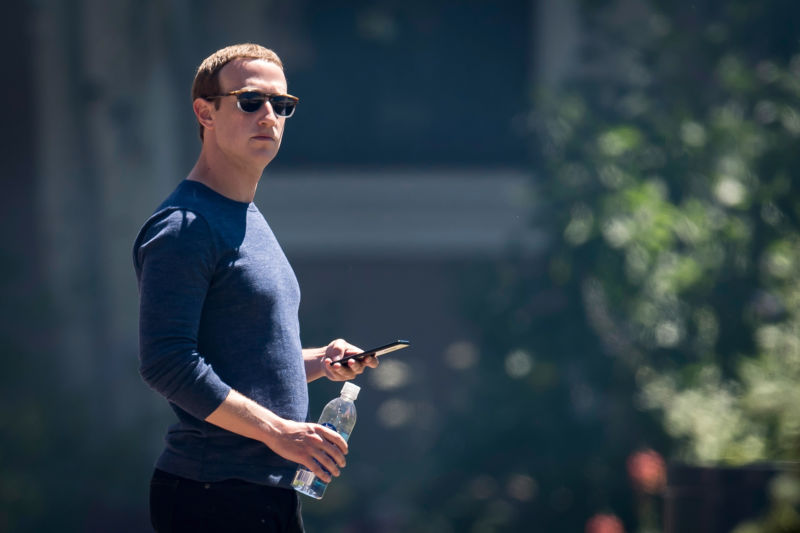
[(380, 350)]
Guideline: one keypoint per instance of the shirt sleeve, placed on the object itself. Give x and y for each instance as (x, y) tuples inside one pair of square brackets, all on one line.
[(175, 261)]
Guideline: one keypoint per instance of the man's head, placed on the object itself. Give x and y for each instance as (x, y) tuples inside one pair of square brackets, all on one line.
[(206, 80)]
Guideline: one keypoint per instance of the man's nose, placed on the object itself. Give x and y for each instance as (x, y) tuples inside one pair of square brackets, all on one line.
[(268, 115)]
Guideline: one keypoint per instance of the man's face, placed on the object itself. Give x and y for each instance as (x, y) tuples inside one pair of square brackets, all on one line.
[(248, 139)]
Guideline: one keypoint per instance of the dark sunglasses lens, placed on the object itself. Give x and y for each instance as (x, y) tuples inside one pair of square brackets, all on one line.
[(251, 102), (283, 106)]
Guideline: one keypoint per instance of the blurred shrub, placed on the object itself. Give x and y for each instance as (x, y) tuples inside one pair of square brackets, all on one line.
[(673, 197), (665, 313)]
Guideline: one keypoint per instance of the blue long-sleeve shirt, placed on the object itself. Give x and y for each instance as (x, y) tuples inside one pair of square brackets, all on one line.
[(218, 310)]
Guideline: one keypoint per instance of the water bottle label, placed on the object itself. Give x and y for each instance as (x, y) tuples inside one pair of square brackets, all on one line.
[(304, 477)]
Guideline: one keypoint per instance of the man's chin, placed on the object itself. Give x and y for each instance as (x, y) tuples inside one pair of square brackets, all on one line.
[(266, 157)]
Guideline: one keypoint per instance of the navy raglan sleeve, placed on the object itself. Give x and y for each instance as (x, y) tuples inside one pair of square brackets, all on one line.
[(174, 257)]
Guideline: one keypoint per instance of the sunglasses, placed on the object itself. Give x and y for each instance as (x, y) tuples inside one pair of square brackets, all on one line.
[(251, 101)]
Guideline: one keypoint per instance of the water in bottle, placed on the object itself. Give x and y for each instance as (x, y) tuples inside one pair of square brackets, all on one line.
[(340, 416)]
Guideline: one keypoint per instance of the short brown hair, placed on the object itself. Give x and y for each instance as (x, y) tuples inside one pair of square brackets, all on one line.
[(206, 80)]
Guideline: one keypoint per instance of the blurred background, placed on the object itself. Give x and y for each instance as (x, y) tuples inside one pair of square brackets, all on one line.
[(583, 214)]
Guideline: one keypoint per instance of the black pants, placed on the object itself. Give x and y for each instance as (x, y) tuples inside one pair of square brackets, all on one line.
[(182, 505)]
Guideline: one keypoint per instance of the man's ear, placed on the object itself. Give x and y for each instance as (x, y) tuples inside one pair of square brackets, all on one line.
[(204, 111)]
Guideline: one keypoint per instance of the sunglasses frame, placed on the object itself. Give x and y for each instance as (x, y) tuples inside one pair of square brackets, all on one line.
[(265, 96)]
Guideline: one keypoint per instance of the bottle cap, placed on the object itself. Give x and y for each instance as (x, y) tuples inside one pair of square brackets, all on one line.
[(350, 390)]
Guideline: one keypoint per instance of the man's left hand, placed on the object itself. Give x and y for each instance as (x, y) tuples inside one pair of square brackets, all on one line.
[(348, 370)]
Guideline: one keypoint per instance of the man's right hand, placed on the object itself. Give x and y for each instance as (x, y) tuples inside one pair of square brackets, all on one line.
[(314, 446)]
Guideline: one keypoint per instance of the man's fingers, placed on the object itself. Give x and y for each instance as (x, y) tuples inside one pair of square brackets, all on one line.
[(357, 366), (371, 361), (327, 457), (318, 470), (335, 440), (328, 462)]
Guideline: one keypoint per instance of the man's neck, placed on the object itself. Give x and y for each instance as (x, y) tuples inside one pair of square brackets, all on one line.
[(232, 182)]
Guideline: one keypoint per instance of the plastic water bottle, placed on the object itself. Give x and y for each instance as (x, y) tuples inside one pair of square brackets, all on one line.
[(340, 416)]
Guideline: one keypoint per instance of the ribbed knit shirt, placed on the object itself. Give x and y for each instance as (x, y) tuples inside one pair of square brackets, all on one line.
[(218, 310)]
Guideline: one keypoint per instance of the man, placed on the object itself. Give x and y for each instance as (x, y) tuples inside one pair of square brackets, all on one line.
[(219, 333)]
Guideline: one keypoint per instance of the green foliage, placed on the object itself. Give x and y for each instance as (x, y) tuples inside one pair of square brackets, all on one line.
[(665, 313), (680, 216)]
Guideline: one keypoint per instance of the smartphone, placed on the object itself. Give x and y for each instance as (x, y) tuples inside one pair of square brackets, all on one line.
[(380, 350)]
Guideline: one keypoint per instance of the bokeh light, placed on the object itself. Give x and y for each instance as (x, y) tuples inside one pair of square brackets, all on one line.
[(395, 413), (461, 355), (391, 374), (518, 364)]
